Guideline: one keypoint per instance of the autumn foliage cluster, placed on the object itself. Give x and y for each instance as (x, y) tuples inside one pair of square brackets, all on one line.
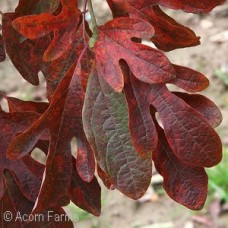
[(108, 91)]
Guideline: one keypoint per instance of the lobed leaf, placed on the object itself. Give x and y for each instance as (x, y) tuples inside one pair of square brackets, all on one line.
[(64, 26), (114, 43), (204, 106), (188, 133), (26, 55), (185, 184), (168, 34)]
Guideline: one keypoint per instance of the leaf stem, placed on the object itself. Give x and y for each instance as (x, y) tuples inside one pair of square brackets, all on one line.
[(94, 37), (83, 19)]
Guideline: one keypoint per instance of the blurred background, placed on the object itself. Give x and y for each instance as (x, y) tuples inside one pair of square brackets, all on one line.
[(156, 209)]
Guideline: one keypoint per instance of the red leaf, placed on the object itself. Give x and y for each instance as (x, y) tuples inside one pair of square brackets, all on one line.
[(185, 184), (85, 195), (26, 55), (20, 207), (36, 7), (17, 105), (142, 128), (109, 134), (203, 105), (2, 48), (64, 26), (169, 34), (114, 43), (105, 178), (108, 108), (57, 119), (11, 124), (60, 66), (22, 177), (189, 134), (191, 6), (189, 80)]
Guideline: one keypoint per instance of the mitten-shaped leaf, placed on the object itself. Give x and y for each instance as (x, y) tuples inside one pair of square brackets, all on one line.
[(108, 118), (185, 184), (26, 55), (168, 34), (203, 105), (114, 43), (189, 134), (64, 26)]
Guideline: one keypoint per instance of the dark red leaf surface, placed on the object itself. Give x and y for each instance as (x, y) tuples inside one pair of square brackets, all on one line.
[(2, 48), (203, 105), (26, 55), (86, 195), (11, 124), (142, 129), (17, 105), (188, 133), (59, 165), (187, 5), (13, 201), (114, 43), (189, 80), (106, 96), (185, 184), (169, 34), (36, 7), (64, 26)]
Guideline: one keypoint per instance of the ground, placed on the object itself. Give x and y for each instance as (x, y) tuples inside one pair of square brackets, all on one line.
[(157, 210)]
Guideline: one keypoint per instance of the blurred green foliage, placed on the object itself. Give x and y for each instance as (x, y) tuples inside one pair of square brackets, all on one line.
[(222, 75), (218, 178)]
